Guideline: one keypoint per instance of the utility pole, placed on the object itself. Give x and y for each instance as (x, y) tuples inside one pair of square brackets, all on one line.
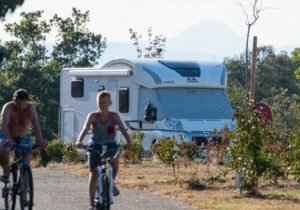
[(253, 71)]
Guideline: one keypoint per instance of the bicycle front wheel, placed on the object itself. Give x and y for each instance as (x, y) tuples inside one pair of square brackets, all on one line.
[(106, 194), (9, 192), (26, 188)]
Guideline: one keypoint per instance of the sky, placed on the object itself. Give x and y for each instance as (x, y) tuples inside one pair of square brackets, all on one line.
[(278, 25)]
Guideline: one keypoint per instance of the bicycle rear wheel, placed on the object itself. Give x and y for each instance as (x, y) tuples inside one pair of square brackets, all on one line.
[(9, 192), (26, 188)]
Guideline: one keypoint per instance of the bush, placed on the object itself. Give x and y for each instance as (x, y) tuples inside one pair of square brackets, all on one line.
[(134, 155), (70, 152), (41, 158), (167, 152), (55, 150), (188, 150)]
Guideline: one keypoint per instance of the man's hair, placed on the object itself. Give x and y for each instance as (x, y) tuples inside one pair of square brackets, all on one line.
[(21, 94)]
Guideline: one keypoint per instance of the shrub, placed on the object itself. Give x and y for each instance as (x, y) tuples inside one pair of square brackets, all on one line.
[(70, 152), (134, 155), (188, 150), (55, 150), (41, 158), (167, 151)]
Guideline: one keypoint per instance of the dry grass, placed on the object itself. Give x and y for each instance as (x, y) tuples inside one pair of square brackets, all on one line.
[(159, 179)]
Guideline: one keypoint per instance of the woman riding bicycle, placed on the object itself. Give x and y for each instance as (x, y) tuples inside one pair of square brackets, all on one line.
[(103, 124)]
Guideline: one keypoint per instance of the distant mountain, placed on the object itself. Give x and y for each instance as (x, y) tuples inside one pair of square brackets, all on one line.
[(213, 39), (207, 40)]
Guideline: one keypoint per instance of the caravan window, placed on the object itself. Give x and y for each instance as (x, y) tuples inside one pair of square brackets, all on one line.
[(77, 87), (124, 100), (186, 103)]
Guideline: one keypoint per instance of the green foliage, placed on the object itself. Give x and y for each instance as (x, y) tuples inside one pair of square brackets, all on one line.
[(41, 158), (70, 152), (294, 155), (166, 150), (252, 153), (77, 47), (188, 150), (9, 5), (296, 59), (29, 66), (156, 46), (134, 155), (55, 150), (285, 109), (297, 73), (27, 59)]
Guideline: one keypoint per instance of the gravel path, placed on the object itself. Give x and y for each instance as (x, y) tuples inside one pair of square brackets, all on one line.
[(58, 190)]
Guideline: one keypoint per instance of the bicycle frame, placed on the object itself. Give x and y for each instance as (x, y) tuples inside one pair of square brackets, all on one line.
[(14, 187), (105, 169), (105, 175)]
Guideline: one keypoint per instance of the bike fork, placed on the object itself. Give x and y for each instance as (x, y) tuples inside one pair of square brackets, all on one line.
[(100, 187)]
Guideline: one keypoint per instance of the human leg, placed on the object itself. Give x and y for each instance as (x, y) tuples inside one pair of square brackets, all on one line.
[(93, 186), (4, 161), (115, 165), (93, 161)]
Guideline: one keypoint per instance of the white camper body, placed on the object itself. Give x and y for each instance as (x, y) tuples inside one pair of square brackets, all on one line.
[(185, 99)]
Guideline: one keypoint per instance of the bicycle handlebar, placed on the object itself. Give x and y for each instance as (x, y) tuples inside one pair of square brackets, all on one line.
[(105, 151)]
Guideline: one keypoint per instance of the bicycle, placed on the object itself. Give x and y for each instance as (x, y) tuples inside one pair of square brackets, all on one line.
[(105, 181), (20, 182)]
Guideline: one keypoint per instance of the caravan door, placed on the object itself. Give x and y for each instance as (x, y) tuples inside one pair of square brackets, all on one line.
[(68, 130), (112, 89)]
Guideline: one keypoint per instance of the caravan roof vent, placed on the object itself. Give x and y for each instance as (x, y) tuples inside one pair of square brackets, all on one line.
[(185, 69)]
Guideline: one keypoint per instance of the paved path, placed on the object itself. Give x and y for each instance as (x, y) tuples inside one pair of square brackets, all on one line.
[(58, 190)]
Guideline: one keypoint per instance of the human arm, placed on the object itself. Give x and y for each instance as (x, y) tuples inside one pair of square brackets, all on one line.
[(86, 127), (121, 127), (5, 118), (36, 126)]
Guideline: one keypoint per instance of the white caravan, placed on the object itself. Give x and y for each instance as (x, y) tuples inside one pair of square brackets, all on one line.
[(185, 99)]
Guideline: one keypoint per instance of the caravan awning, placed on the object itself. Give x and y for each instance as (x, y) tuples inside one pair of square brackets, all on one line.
[(102, 72)]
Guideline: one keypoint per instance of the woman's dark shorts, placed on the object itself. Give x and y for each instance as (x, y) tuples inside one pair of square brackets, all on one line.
[(94, 152)]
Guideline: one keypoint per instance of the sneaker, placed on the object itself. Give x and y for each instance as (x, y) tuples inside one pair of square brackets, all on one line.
[(116, 191)]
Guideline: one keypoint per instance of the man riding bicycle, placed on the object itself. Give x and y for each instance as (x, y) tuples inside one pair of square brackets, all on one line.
[(17, 116)]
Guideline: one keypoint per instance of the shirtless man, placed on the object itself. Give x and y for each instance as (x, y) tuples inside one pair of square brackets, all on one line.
[(17, 116)]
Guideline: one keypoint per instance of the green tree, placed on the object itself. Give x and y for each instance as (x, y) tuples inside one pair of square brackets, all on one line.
[(273, 71), (236, 80), (28, 67), (296, 60), (253, 153), (9, 5), (156, 46), (6, 6), (76, 46), (285, 108)]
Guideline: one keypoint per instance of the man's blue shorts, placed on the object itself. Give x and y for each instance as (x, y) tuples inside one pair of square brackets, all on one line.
[(23, 144)]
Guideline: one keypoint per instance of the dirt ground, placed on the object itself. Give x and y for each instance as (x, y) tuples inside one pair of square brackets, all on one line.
[(201, 186)]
